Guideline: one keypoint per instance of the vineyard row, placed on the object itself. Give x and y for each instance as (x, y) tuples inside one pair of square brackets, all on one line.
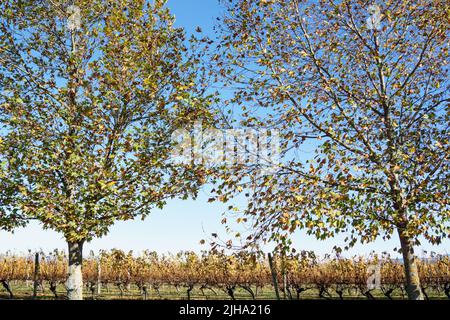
[(293, 275)]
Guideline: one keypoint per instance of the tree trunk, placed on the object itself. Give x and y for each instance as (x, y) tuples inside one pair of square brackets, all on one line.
[(7, 287), (413, 288), (99, 278), (75, 277)]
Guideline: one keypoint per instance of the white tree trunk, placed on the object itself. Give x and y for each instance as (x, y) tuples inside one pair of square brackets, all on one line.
[(75, 276), (413, 288), (99, 278)]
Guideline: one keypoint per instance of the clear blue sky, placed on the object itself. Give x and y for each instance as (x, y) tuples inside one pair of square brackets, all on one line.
[(181, 224)]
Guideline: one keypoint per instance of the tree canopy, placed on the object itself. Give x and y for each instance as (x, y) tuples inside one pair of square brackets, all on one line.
[(93, 92), (366, 89)]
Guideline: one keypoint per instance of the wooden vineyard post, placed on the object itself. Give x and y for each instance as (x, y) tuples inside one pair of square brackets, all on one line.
[(274, 276), (36, 275), (284, 275)]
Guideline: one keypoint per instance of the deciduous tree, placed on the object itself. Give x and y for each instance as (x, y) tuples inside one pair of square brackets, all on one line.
[(96, 89), (364, 88)]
